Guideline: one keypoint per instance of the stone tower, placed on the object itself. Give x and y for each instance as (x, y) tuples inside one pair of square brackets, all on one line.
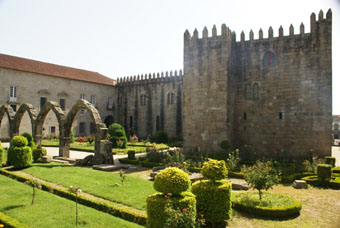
[(205, 83)]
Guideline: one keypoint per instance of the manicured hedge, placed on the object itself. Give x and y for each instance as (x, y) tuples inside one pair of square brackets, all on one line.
[(275, 212), (213, 200), (330, 160), (194, 169), (150, 164), (156, 207), (9, 222), (172, 180), (129, 161), (238, 175), (336, 170), (124, 212), (333, 183)]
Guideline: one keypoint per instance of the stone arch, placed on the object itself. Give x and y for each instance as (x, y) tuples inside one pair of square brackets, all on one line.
[(6, 109), (32, 112), (60, 115)]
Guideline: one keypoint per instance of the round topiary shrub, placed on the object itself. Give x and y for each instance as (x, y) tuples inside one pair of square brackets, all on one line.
[(117, 136), (214, 170), (30, 140), (38, 153), (2, 155), (19, 154), (171, 180), (213, 200), (271, 205)]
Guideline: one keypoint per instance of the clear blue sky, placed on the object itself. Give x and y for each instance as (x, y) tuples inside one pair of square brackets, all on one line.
[(130, 37)]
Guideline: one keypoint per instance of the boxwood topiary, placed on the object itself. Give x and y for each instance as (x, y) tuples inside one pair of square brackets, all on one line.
[(156, 207), (117, 132), (30, 140), (324, 172), (38, 153), (214, 170), (160, 137), (171, 180), (330, 160), (19, 154), (213, 200)]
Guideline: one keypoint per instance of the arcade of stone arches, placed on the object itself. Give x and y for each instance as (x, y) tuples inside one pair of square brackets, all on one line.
[(103, 149)]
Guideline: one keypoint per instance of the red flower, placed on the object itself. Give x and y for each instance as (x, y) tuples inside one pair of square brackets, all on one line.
[(185, 209)]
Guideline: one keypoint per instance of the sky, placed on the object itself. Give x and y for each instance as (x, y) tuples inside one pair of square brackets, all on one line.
[(120, 38)]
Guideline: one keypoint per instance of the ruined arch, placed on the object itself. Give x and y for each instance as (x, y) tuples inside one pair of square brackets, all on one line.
[(32, 112), (6, 109), (59, 113)]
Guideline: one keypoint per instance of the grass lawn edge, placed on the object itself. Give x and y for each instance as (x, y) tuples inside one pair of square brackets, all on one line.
[(11, 222), (110, 208)]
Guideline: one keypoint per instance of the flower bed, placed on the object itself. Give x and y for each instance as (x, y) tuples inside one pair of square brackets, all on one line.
[(271, 205)]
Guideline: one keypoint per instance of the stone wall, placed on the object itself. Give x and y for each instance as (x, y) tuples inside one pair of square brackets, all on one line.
[(150, 103), (32, 86)]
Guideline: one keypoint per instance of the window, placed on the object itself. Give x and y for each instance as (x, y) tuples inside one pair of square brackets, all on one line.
[(245, 116), (280, 115), (248, 92), (14, 107), (91, 128), (110, 103), (171, 98), (82, 96), (93, 100), (143, 100), (42, 102), (52, 130), (62, 104), (269, 59), (256, 92), (157, 124), (12, 93), (82, 111), (82, 128)]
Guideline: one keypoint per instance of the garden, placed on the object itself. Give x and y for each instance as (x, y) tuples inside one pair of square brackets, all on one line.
[(66, 195)]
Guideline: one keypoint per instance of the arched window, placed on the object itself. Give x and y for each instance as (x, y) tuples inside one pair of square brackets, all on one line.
[(171, 98), (142, 100), (269, 59), (248, 92), (157, 124), (256, 91)]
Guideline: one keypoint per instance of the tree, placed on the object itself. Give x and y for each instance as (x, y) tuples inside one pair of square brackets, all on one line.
[(261, 176)]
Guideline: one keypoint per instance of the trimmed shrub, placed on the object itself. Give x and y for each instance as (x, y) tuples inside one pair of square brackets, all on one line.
[(131, 154), (2, 154), (71, 137), (251, 205), (324, 172), (158, 202), (38, 153), (19, 154), (148, 164), (214, 170), (160, 137), (333, 183), (213, 200), (225, 145), (117, 134), (129, 161), (30, 140), (171, 180), (336, 170), (330, 160)]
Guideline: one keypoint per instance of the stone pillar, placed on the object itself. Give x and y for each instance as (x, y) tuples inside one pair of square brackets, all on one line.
[(64, 147)]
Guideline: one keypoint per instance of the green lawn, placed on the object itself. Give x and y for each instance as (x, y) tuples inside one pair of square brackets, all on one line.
[(138, 147), (102, 184), (50, 210)]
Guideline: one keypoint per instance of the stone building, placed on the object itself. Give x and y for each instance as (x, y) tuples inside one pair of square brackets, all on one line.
[(267, 96), (28, 81), (336, 126)]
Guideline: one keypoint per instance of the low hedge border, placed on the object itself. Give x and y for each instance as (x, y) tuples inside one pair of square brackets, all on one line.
[(314, 181), (114, 209), (336, 170), (10, 222), (276, 212), (129, 161), (151, 164)]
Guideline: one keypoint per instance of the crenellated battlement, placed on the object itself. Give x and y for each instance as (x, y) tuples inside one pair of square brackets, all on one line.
[(225, 33), (166, 76), (313, 29)]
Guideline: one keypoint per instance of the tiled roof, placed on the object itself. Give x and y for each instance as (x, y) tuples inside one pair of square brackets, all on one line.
[(29, 65)]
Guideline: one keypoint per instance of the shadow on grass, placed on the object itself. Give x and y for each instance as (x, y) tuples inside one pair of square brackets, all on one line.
[(13, 207)]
